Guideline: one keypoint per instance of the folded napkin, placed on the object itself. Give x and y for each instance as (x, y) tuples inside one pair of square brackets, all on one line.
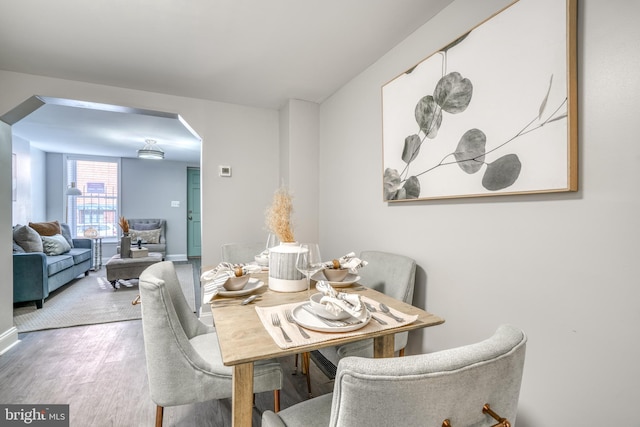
[(214, 279), (336, 302), (349, 261)]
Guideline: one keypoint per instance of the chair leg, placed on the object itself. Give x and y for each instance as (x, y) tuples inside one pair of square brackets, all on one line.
[(276, 400), (401, 352), (159, 414), (306, 360), (295, 365)]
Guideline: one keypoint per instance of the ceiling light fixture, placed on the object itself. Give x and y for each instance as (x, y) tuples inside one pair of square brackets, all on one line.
[(150, 150)]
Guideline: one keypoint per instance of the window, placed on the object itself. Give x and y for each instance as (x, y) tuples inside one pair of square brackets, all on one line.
[(97, 208)]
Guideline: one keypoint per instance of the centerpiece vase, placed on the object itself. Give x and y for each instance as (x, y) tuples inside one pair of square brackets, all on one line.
[(125, 246), (283, 274)]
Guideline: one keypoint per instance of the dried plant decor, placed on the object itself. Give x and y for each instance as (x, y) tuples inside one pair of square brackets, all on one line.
[(278, 215), (124, 224)]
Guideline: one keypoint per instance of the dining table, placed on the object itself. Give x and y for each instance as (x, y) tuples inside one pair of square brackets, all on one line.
[(244, 337)]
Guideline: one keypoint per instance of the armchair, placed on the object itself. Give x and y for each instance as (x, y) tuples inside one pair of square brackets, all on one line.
[(184, 364), (448, 387), (148, 224)]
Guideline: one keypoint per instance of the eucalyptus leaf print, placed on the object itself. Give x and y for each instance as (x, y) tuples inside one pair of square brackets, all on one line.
[(411, 148), (489, 113), (392, 183), (411, 188), (453, 93), (502, 173), (470, 151), (428, 116)]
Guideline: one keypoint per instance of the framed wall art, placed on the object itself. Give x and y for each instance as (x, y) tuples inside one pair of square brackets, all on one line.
[(492, 113)]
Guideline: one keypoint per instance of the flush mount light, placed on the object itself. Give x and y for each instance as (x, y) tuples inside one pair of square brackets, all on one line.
[(150, 150)]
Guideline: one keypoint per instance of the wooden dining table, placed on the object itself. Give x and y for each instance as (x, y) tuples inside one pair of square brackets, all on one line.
[(244, 340)]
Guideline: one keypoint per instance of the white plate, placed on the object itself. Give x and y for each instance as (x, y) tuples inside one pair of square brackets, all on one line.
[(252, 286), (309, 321), (349, 280)]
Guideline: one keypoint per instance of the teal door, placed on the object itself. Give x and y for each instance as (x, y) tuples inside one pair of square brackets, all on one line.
[(194, 235)]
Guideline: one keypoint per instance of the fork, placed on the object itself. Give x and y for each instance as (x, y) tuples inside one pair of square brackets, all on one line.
[(276, 322), (289, 317), (372, 309)]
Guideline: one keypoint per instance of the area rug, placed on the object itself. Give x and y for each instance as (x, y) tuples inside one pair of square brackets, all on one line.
[(91, 300)]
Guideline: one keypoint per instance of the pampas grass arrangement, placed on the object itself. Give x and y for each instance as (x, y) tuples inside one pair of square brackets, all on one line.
[(278, 216), (124, 224)]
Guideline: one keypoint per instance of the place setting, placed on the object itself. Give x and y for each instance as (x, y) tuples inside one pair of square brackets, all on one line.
[(326, 313), (230, 281), (341, 272)]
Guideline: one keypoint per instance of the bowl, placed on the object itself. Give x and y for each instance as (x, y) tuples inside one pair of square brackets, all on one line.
[(335, 274), (262, 261), (236, 283), (320, 309)]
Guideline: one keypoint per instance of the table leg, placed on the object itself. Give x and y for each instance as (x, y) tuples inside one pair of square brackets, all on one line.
[(383, 346), (242, 400)]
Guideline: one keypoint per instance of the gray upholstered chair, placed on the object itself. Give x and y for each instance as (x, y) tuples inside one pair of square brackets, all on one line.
[(183, 358), (241, 253), (421, 390), (146, 224), (391, 274)]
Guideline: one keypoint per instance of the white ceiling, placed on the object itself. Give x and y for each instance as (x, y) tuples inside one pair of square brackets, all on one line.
[(250, 52)]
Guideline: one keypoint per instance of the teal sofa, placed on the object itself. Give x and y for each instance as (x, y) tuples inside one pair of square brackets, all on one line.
[(35, 274)]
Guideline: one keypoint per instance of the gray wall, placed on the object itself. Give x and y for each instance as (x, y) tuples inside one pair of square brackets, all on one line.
[(560, 266), (147, 189)]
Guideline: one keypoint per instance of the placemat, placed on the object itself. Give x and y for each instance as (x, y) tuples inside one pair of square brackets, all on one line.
[(264, 313)]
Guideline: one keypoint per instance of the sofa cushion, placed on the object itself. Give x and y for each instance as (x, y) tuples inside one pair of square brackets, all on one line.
[(50, 228), (79, 255), (55, 245), (27, 238), (57, 263), (147, 236), (66, 232)]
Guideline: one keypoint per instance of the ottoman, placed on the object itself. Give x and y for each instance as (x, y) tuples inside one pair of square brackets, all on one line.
[(129, 268)]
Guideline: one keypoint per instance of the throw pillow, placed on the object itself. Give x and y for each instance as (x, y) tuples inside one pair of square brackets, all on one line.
[(146, 225), (17, 249), (55, 245), (27, 238), (147, 236), (66, 233), (50, 228)]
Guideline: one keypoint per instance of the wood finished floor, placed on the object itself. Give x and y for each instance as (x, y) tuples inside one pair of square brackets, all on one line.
[(100, 371)]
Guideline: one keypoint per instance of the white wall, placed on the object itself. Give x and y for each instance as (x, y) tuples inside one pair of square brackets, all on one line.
[(148, 188), (8, 333), (21, 207), (245, 138), (299, 162), (561, 266)]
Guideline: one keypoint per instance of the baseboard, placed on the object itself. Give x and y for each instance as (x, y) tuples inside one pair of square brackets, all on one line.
[(8, 339)]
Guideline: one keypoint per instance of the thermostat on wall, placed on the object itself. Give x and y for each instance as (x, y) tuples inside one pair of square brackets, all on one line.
[(225, 170)]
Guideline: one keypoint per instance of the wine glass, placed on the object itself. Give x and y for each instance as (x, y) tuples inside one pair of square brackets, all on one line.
[(308, 261), (272, 241)]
